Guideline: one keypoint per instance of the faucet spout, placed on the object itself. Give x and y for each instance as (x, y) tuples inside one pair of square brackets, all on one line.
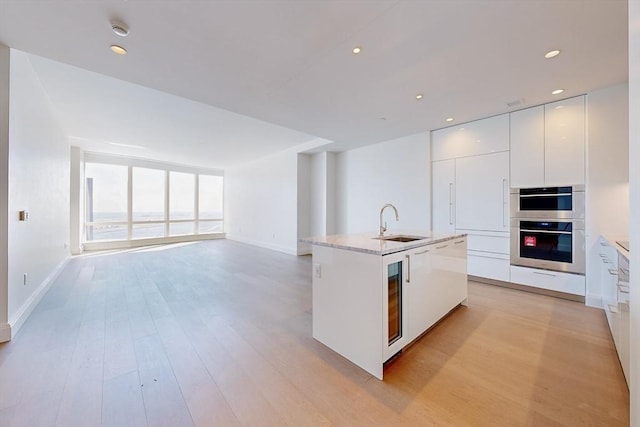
[(383, 228)]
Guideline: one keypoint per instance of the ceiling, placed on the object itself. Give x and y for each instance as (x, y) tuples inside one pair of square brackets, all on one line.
[(215, 83)]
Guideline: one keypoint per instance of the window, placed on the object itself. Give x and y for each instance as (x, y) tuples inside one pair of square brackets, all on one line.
[(182, 197), (163, 202), (106, 201), (210, 196)]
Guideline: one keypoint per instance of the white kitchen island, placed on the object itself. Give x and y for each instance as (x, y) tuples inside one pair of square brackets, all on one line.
[(373, 297)]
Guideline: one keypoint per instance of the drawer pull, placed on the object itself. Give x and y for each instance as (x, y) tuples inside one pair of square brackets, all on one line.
[(441, 247), (544, 274), (613, 272), (422, 252), (459, 241), (623, 289)]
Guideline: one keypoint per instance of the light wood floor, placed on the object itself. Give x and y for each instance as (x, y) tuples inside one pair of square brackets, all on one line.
[(219, 333)]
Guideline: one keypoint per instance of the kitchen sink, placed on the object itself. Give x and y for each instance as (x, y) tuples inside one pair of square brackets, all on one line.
[(401, 238)]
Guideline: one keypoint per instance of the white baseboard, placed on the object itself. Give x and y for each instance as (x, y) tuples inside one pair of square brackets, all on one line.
[(593, 300), (5, 332), (273, 247), (17, 320)]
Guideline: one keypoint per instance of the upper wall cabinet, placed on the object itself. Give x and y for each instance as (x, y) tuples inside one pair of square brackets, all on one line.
[(480, 137), (527, 147), (548, 144), (564, 142)]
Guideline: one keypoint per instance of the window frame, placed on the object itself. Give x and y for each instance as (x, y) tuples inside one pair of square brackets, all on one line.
[(167, 238)]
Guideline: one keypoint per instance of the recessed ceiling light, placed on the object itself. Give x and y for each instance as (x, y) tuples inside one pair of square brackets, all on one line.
[(121, 29), (552, 54), (449, 119), (356, 50), (557, 91), (118, 49), (419, 96)]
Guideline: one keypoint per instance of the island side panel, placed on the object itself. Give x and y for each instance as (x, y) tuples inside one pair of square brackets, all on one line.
[(347, 305)]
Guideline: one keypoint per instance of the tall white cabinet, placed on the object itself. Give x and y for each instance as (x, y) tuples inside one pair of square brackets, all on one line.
[(547, 144), (471, 191)]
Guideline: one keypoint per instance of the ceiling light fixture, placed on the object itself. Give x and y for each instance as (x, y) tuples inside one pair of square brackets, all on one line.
[(449, 119), (356, 50), (118, 49), (552, 54), (419, 96), (557, 91), (121, 29)]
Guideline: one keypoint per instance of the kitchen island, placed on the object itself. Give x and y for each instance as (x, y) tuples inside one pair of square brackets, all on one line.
[(372, 297)]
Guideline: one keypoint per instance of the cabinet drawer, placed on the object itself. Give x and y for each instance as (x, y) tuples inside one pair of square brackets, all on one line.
[(488, 243), (552, 280), (488, 266)]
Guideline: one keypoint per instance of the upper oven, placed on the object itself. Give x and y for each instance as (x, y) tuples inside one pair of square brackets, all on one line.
[(548, 202)]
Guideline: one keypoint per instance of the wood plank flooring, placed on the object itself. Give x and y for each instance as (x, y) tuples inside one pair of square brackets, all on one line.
[(218, 333)]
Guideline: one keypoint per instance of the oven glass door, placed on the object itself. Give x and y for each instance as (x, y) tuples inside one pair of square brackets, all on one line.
[(546, 240), (546, 199)]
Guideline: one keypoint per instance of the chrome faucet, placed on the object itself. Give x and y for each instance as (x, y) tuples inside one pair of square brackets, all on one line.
[(383, 228)]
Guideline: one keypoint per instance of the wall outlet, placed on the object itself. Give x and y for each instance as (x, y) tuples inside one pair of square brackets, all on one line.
[(24, 279), (317, 270)]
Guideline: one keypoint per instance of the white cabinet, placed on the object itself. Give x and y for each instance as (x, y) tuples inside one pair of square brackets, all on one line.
[(470, 139), (547, 144), (527, 147), (367, 307), (551, 280), (470, 190), (614, 280), (437, 283), (482, 192), (443, 193), (564, 141), (488, 255)]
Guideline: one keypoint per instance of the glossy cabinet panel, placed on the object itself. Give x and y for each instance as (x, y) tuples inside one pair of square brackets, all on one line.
[(443, 193), (527, 147), (564, 160), (482, 192), (484, 136)]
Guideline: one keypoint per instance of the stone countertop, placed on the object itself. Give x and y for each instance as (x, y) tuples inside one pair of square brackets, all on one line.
[(367, 242), (611, 239)]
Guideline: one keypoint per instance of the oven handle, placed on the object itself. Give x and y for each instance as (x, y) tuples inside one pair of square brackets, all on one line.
[(546, 231), (546, 195)]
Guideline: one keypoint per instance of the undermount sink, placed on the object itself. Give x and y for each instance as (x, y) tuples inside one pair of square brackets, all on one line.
[(401, 238)]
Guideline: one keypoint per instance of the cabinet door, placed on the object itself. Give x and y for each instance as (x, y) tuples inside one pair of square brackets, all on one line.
[(448, 286), (482, 192), (470, 139), (527, 147), (443, 196), (565, 142), (421, 316)]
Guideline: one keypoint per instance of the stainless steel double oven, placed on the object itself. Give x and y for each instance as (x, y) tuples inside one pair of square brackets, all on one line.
[(547, 228)]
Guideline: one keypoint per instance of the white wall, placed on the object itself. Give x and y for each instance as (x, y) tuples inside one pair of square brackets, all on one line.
[(397, 172), (39, 183), (5, 329), (634, 190), (607, 175), (261, 202), (318, 194)]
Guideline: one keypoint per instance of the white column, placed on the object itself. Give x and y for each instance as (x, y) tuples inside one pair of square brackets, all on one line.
[(5, 329), (634, 198)]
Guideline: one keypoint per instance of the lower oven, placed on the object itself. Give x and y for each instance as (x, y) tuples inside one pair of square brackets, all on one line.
[(557, 245)]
